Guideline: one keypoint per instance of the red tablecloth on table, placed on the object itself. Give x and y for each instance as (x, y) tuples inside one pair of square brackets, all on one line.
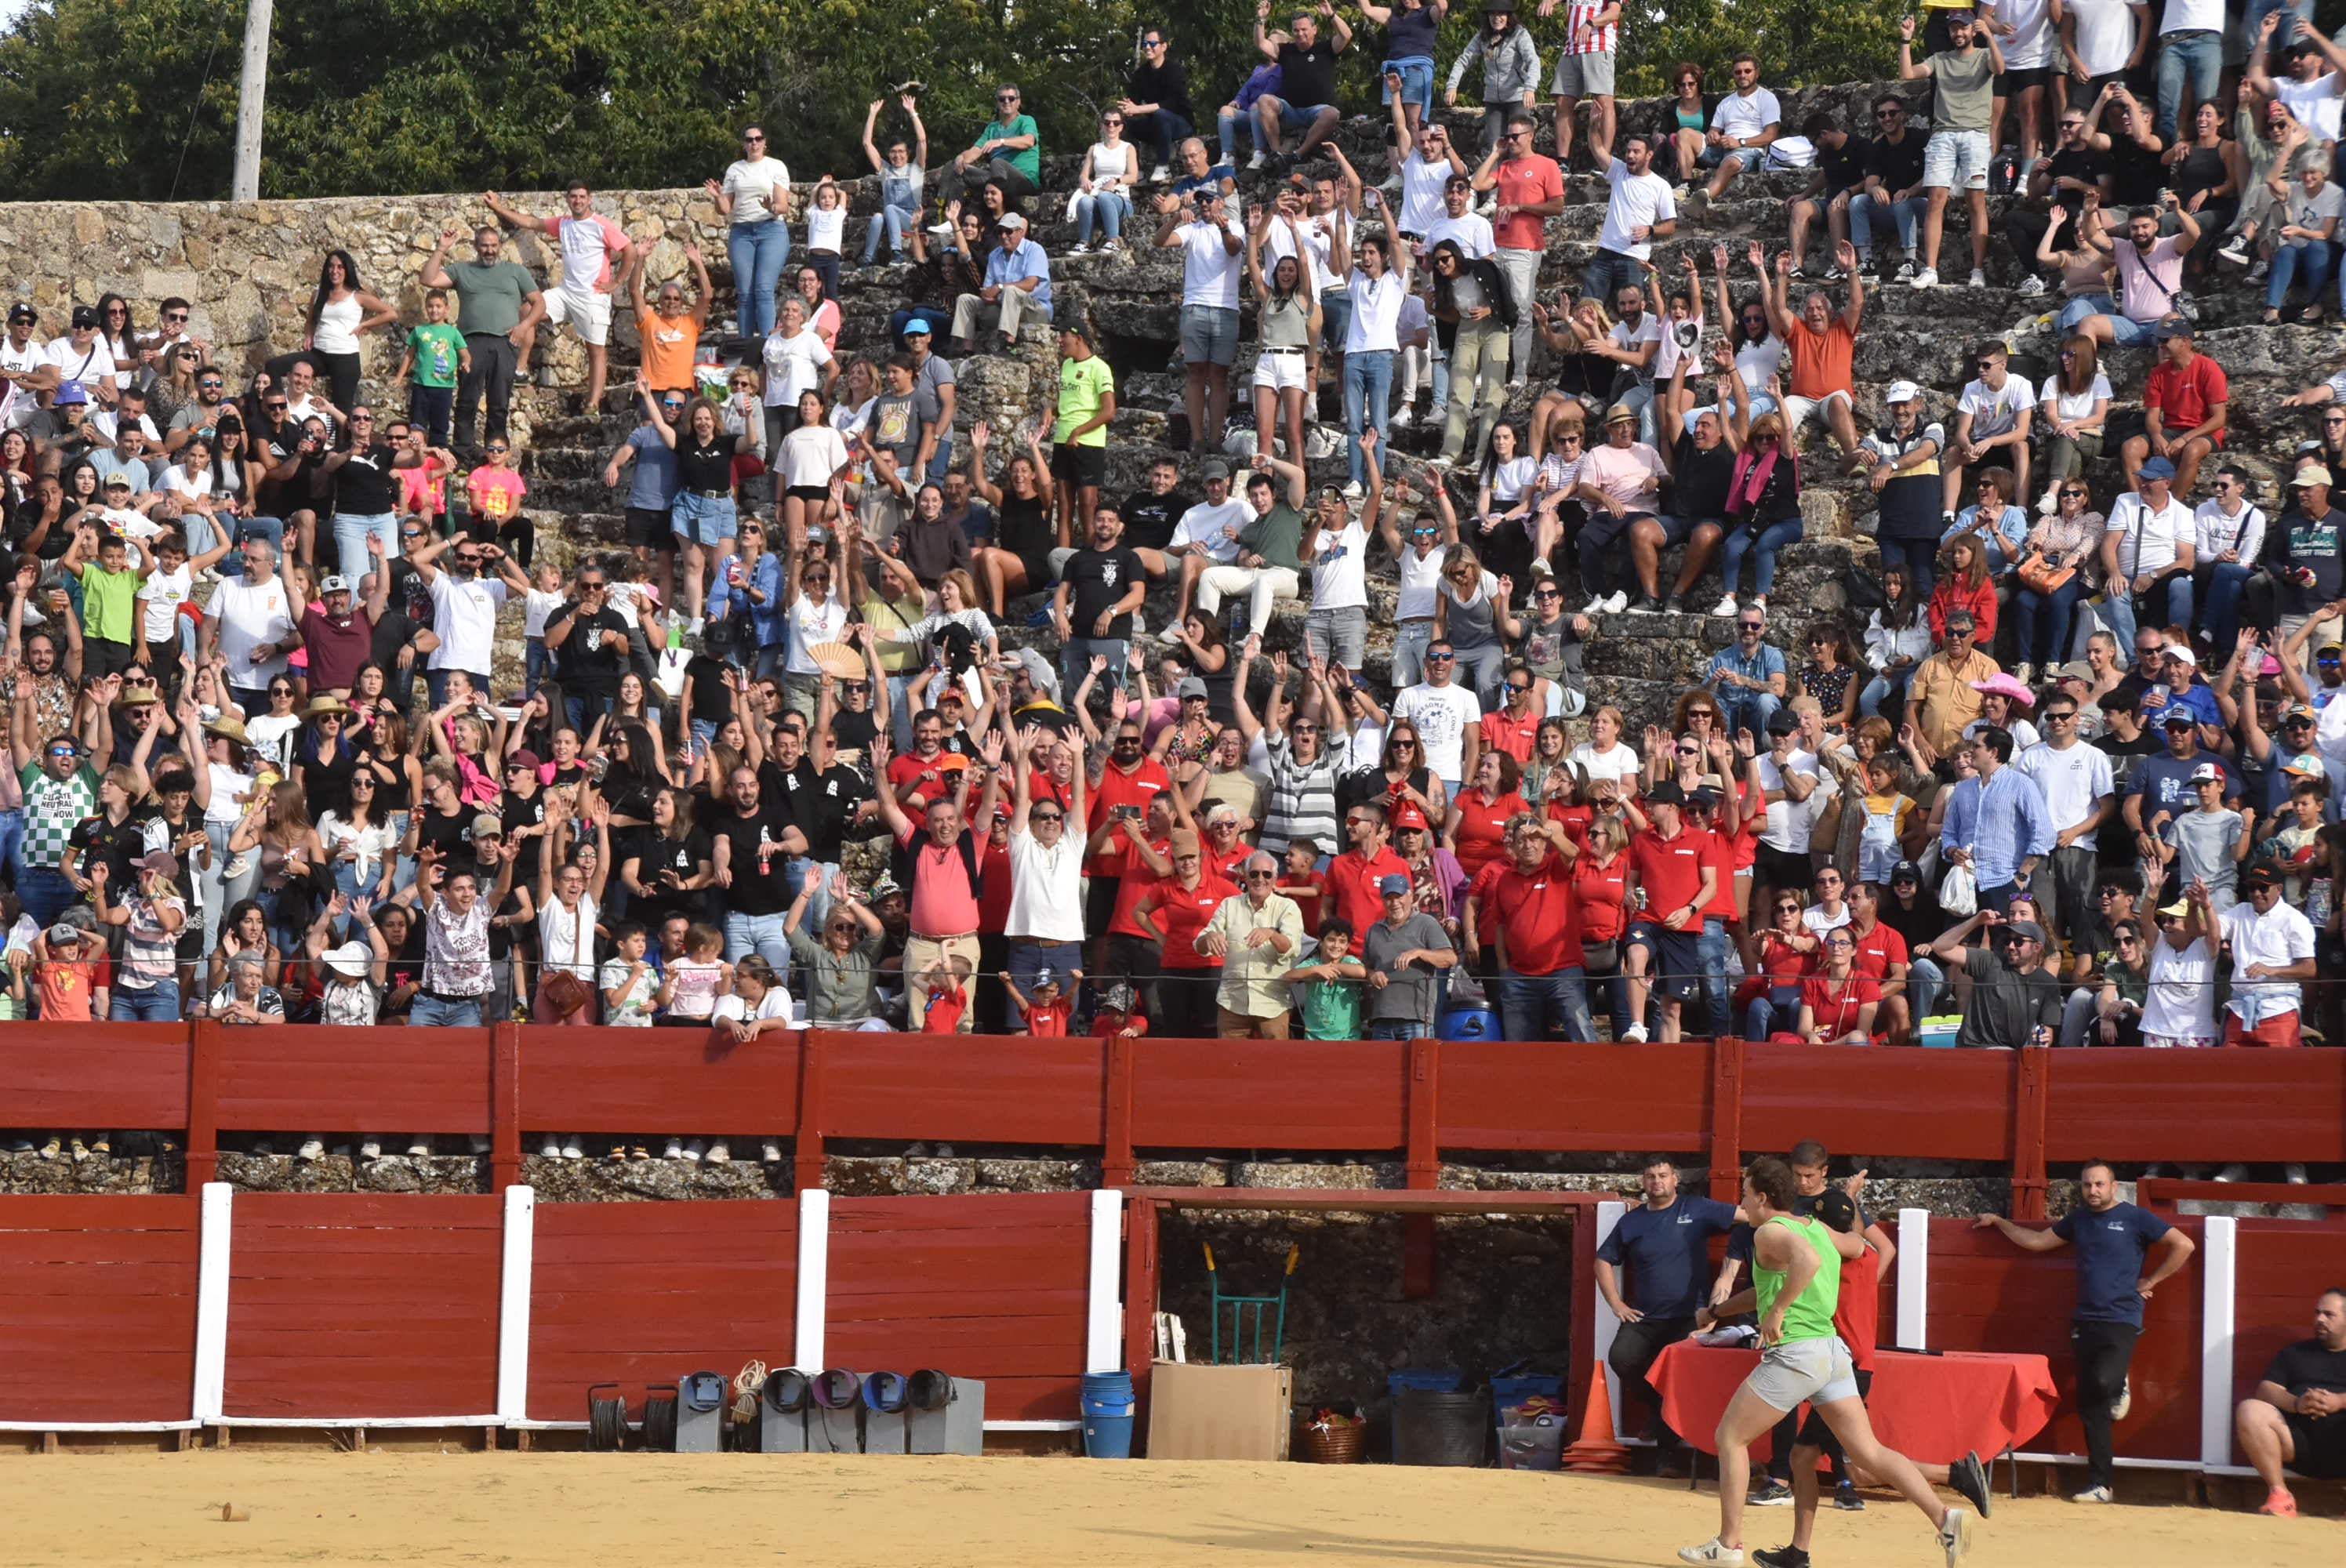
[(1929, 1407)]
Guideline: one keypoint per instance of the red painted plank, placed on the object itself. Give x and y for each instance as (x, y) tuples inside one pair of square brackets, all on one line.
[(975, 1089), (25, 1249), (657, 1081), (70, 1076), (2197, 1105), (1508, 1094), (558, 1222), (1241, 1094), (295, 1079), (348, 1209), (98, 1324), (1926, 1104), (2282, 1267), (125, 1212)]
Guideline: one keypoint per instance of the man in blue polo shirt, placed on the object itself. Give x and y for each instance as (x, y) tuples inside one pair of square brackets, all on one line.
[(1666, 1244), (2112, 1240)]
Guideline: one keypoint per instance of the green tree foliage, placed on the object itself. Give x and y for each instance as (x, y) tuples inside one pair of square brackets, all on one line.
[(135, 99)]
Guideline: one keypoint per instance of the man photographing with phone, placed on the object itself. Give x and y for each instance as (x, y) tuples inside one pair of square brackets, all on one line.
[(2014, 1003)]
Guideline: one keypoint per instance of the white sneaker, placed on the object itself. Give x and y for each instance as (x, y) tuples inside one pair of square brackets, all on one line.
[(2256, 274), (2025, 674), (1160, 176), (1955, 1534), (1352, 491), (370, 1150), (1712, 1553), (1401, 416), (2293, 1174), (1617, 604), (2031, 285), (1635, 1035), (1540, 568), (941, 228), (1595, 607), (311, 1149), (771, 1153), (944, 1151), (551, 1149), (1256, 161), (2236, 1171), (420, 1150), (2124, 1402), (2049, 503), (1905, 272), (1978, 279), (1437, 413), (675, 1150), (570, 1149), (1928, 278), (1079, 248), (2091, 1495), (720, 1153), (1726, 605), (694, 1150)]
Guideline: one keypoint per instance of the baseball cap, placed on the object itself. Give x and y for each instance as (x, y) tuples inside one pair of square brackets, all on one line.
[(70, 392), (162, 862), (2306, 765), (21, 312), (2312, 473), (2026, 930), (1902, 392), (62, 933), (529, 759), (2156, 468), (1214, 468), (118, 482), (2261, 876), (337, 584), (2297, 710), (2178, 718), (1394, 883), (1408, 814), (84, 316), (2175, 327), (1666, 793), (1783, 721), (918, 327), (488, 822), (1011, 220), (1191, 687), (2181, 652), (1837, 1209), (2206, 773), (1906, 871)]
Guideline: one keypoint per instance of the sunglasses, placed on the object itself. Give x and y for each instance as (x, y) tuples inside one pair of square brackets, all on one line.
[(1752, 626), (207, 384), (1262, 876), (1690, 750), (1546, 593), (1517, 691), (278, 407), (1303, 728), (751, 135), (1046, 817), (1886, 114)]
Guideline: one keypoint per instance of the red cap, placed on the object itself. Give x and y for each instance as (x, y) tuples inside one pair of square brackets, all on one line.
[(1408, 814)]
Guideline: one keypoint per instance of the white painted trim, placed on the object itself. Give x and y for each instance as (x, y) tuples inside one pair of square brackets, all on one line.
[(214, 1240), (1608, 1215), (514, 1302), (2219, 1257), (814, 1276), (1103, 1336), (2124, 1463), (1913, 1280), (233, 1422), (99, 1426), (1034, 1426)]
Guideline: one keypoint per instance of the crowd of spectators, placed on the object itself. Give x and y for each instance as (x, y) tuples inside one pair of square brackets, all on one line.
[(2075, 780)]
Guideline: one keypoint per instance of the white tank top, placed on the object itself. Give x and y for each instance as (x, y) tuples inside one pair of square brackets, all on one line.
[(1420, 581), (338, 326)]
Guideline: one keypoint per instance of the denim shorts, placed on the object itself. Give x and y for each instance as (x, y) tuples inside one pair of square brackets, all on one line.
[(702, 519), (1210, 335), (1416, 75), (1955, 160)]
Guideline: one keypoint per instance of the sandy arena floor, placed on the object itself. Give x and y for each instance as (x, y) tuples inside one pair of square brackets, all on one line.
[(583, 1511)]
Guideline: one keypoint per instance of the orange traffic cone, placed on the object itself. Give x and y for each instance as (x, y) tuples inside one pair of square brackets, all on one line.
[(1597, 1451)]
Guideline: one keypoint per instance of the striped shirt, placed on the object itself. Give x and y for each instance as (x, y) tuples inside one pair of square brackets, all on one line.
[(1301, 802), (1579, 14)]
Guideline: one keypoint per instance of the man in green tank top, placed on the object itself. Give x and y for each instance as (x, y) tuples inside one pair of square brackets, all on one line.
[(1796, 1285)]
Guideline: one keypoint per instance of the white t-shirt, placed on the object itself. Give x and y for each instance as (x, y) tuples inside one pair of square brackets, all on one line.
[(588, 244), (826, 227), (1203, 525), (2315, 103), (1638, 201), (2070, 781), (1420, 579), (2068, 405), (536, 605), (464, 617), (1995, 410), (2191, 16), (2181, 1000), (1471, 234), (1340, 578), (2148, 538), (1758, 362), (1421, 185), (813, 621), (1443, 714), (164, 593), (1376, 313), (1648, 330), (775, 1003), (250, 616), (1047, 896), (83, 365), (196, 486), (1789, 821), (1617, 762), (811, 455), (2034, 37), (566, 942), (2278, 937), (2104, 34), (793, 365), (1209, 267), (2215, 530), (752, 185), (1741, 115), (18, 407)]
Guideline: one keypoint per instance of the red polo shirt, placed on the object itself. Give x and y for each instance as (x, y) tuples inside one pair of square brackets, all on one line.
[(1534, 911), (1515, 737), (1182, 912), (1118, 787), (1352, 893), (2184, 397), (1668, 869), (1877, 950)]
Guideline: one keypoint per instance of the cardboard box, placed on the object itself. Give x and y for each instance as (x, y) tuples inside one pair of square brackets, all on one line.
[(1220, 1412)]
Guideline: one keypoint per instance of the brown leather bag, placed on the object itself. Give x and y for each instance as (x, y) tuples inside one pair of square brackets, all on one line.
[(564, 995)]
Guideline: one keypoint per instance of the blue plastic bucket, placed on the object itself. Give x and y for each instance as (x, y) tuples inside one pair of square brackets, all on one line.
[(1109, 1406)]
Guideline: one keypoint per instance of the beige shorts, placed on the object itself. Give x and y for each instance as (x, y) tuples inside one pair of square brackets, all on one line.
[(588, 314)]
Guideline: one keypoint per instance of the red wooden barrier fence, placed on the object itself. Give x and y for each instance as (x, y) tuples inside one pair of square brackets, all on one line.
[(97, 1303)]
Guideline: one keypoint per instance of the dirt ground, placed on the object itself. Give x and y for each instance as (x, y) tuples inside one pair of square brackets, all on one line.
[(579, 1511)]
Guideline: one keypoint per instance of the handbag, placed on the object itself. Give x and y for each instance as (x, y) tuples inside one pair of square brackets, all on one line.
[(2042, 577), (1601, 957), (566, 993)]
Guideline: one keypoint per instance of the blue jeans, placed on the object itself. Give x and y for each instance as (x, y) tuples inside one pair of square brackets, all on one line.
[(1528, 1001), (1109, 208), (1924, 981), (2199, 53), (44, 894), (2222, 609), (1608, 272), (12, 837), (1771, 1011), (1400, 1029), (761, 934), (1075, 661), (1903, 215), (1881, 692), (1159, 129), (1368, 396), (2312, 258), (1710, 951), (2081, 307), (1416, 73), (2042, 621), (701, 519), (1028, 958), (1762, 546), (537, 665), (1231, 125), (758, 252), (432, 1013), (1743, 709), (1410, 642), (892, 221), (2122, 611), (158, 1003), (351, 531), (1921, 559), (2292, 12)]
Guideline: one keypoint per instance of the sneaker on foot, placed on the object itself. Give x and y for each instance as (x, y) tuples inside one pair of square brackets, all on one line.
[(79, 1150), (52, 1149), (1541, 568), (372, 1149), (640, 1151), (1969, 1477), (2237, 253), (420, 1148), (2091, 1495), (1955, 1535), (1928, 278), (1712, 1553), (550, 1150), (941, 228), (1160, 176), (1352, 491), (1772, 1494), (1079, 248), (1403, 415), (311, 1149), (675, 1150), (2236, 1171), (1617, 604), (1846, 1499), (103, 1146), (2293, 1173), (2280, 1502), (694, 1150), (2124, 1402), (771, 1153), (720, 1153), (570, 1149), (1978, 279), (1674, 605), (1726, 605), (1781, 1557), (1646, 605), (2025, 674), (944, 1151), (1834, 274), (1595, 607), (2031, 285), (619, 1152), (2256, 274), (1634, 1036), (1256, 161)]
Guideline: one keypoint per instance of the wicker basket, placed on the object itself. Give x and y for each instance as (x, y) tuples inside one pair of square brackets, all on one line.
[(1335, 1444)]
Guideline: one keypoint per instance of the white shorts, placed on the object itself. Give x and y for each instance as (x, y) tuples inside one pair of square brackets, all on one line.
[(1799, 411), (588, 314), (1818, 1371), (1955, 160), (1280, 371)]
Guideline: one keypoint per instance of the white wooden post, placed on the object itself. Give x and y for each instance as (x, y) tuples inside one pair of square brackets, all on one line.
[(514, 1303), (1103, 1331), (815, 1276), (1913, 1278), (213, 1241)]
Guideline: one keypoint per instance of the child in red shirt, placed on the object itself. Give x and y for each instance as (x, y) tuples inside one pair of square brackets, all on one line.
[(1300, 880), (946, 996), (1046, 1012), (1118, 1015)]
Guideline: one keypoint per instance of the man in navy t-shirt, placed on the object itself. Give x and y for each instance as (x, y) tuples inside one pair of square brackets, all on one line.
[(1666, 1244), (2112, 1240)]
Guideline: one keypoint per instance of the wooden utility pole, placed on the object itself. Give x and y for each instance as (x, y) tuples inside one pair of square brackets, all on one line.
[(252, 91)]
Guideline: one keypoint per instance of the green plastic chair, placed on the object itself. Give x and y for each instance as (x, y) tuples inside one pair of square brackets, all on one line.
[(1247, 1313)]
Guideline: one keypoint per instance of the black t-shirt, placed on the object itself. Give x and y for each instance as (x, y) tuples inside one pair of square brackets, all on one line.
[(364, 485), (1898, 165), (518, 812), (708, 467), (1166, 86), (1024, 528), (1308, 76), (654, 852), (2115, 841), (2137, 173), (712, 699), (1096, 579), (1149, 518), (1921, 926), (326, 784), (2087, 163), (756, 886), (1700, 478), (1844, 168), (446, 834), (786, 792), (853, 727), (112, 845), (829, 807), (591, 667), (2304, 1367)]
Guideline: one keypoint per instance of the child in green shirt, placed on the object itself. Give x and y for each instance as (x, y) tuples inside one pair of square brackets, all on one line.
[(435, 357), (1328, 989), (110, 607)]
